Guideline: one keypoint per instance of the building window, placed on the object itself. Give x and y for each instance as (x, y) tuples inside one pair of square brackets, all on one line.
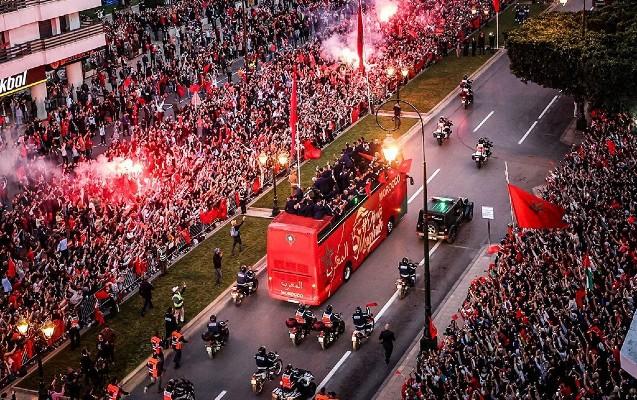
[(46, 29), (65, 26)]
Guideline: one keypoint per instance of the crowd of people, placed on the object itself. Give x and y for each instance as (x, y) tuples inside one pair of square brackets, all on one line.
[(82, 216), (550, 317)]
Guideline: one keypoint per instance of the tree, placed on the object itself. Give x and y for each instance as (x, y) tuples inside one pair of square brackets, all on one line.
[(596, 64)]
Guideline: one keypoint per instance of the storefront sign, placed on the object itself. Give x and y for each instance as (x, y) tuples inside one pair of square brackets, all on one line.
[(70, 60), (21, 81)]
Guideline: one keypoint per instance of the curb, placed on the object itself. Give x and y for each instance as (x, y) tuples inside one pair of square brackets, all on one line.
[(261, 265), (414, 346)]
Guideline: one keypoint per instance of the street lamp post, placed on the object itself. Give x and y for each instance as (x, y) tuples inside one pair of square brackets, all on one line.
[(47, 330), (266, 160), (390, 151), (391, 73)]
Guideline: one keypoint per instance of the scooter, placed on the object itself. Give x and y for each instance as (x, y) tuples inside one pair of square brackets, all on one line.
[(296, 329), (215, 344), (361, 336), (257, 382), (442, 134), (327, 336), (238, 295)]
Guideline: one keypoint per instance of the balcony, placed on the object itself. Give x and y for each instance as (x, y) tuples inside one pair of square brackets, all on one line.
[(38, 52), (15, 13)]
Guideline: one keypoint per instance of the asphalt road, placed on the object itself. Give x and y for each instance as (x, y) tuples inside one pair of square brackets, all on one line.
[(526, 136)]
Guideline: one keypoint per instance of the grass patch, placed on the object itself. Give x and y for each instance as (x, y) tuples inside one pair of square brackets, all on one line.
[(366, 128), (433, 85), (134, 332)]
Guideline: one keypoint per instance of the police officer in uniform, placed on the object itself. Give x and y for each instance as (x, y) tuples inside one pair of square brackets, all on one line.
[(178, 302), (170, 323), (177, 342)]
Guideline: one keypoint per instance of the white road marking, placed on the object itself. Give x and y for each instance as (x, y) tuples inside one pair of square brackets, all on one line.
[(395, 295), (336, 367), (547, 107), (413, 196), (483, 121), (527, 133), (223, 393)]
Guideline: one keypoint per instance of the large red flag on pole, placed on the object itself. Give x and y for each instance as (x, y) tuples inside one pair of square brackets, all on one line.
[(293, 112), (496, 5), (361, 65), (534, 213)]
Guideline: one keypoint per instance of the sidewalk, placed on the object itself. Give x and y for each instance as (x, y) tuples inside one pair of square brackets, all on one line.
[(391, 388)]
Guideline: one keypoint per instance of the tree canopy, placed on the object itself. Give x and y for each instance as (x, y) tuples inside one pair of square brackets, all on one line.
[(600, 66)]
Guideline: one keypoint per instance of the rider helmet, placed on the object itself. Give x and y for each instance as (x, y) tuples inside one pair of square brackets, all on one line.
[(405, 260), (358, 310), (481, 141), (213, 318), (261, 350), (329, 309), (465, 77), (243, 268)]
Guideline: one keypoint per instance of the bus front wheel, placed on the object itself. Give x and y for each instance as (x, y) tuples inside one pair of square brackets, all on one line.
[(347, 272)]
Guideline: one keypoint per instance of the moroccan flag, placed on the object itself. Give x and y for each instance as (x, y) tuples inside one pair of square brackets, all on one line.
[(208, 217), (496, 5), (127, 82), (311, 152), (181, 91), (256, 185), (534, 213), (368, 188), (359, 41), (433, 332), (206, 68), (223, 209), (194, 88), (102, 294), (612, 147), (293, 113)]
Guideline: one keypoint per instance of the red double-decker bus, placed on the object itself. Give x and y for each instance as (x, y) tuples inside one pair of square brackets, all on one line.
[(309, 259)]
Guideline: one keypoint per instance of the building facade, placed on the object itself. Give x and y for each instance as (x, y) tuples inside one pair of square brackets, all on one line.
[(44, 36)]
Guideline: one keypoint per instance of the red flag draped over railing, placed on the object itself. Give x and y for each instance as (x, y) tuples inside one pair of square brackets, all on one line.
[(359, 41), (534, 213), (311, 152)]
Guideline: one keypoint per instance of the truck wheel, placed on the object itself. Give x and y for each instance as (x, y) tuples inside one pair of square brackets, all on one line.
[(390, 226), (347, 272), (453, 233)]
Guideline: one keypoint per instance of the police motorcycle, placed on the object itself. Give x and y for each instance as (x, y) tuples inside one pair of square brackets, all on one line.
[(443, 130), (466, 92), (407, 279), (247, 284), (295, 384), (300, 325), (264, 374), (215, 338), (330, 328), (483, 152), (363, 325)]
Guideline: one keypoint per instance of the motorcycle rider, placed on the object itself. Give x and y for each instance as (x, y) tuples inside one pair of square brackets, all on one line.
[(264, 363), (216, 330), (330, 319), (362, 320), (466, 82), (305, 317), (484, 147), (289, 377), (407, 271), (244, 278), (444, 125)]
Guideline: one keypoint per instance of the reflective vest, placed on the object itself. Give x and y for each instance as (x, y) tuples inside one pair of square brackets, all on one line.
[(113, 391), (75, 323), (286, 381), (153, 367), (168, 395), (327, 320), (321, 397), (155, 342), (176, 340), (178, 300)]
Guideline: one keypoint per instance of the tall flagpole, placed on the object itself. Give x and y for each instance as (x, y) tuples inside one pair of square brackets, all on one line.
[(497, 30), (506, 176), (298, 141), (369, 92)]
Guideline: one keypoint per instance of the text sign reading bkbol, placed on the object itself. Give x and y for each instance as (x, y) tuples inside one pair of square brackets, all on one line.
[(487, 212), (20, 81)]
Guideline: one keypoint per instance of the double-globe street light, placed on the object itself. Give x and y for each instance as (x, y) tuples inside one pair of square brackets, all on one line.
[(47, 329), (268, 160), (390, 152)]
